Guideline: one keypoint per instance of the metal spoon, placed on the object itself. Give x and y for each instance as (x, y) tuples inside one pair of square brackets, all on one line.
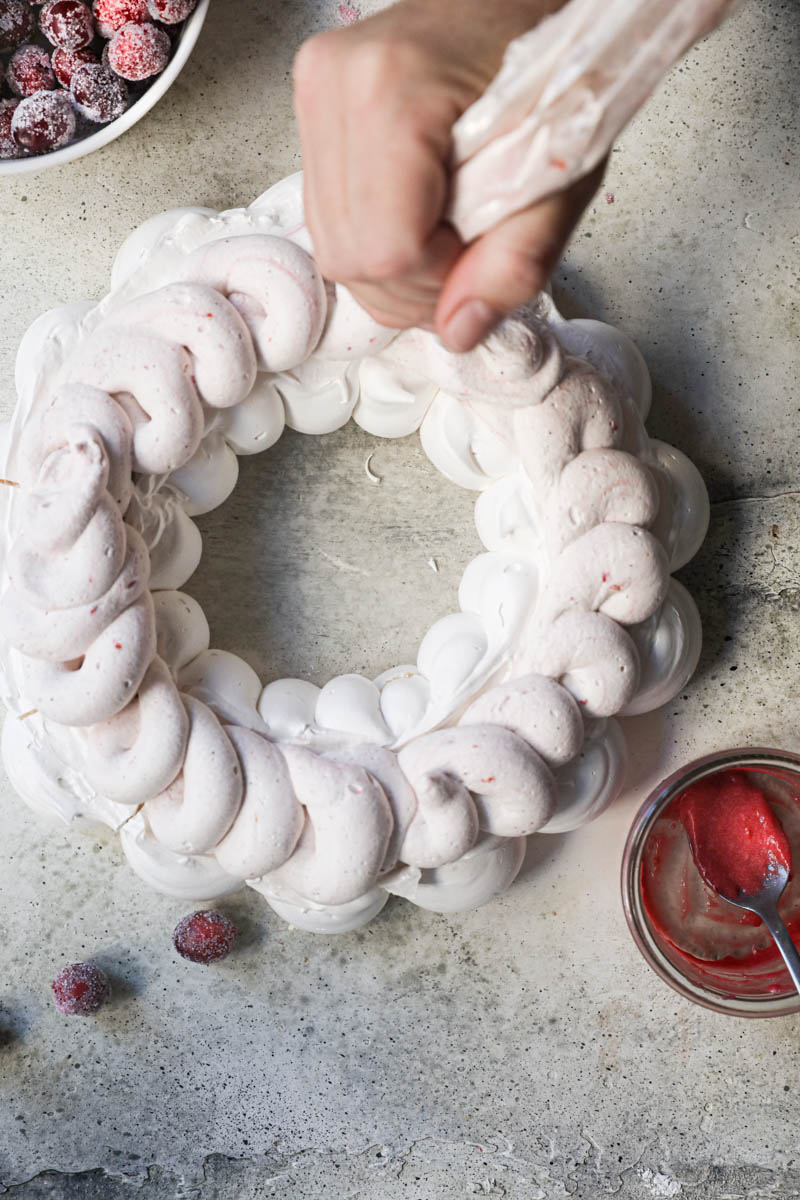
[(764, 904)]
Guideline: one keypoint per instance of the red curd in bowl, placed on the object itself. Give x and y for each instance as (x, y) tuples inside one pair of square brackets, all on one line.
[(715, 941), (742, 809)]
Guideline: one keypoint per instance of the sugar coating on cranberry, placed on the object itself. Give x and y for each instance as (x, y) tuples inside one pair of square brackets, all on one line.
[(111, 15), (29, 71), (171, 12), (16, 23), (67, 23), (8, 147), (138, 51), (99, 94), (66, 62), (43, 122), (81, 989), (205, 936)]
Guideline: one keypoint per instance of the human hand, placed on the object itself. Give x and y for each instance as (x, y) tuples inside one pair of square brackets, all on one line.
[(375, 105)]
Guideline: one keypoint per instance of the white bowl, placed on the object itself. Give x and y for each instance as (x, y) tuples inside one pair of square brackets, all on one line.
[(114, 129)]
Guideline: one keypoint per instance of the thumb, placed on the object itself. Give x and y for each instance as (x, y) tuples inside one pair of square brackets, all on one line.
[(508, 265)]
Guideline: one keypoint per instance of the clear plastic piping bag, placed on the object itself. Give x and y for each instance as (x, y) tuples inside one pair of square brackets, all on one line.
[(564, 92)]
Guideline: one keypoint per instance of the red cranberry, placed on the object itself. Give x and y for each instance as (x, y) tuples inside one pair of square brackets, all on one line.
[(138, 51), (29, 71), (8, 147), (80, 989), (44, 121), (171, 11), (111, 15), (99, 94), (67, 23), (66, 62), (204, 936), (16, 23)]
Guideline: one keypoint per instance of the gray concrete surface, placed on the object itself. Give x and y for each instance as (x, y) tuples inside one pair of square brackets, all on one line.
[(523, 1050)]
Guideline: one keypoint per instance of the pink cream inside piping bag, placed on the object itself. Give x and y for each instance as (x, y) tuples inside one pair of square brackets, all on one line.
[(564, 92)]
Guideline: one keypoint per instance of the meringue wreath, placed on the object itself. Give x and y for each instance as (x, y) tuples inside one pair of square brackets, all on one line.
[(424, 782)]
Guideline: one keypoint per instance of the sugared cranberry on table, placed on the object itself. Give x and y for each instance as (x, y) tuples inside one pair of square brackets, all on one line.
[(111, 15), (16, 23), (138, 51), (171, 12), (67, 23), (205, 936), (43, 122), (29, 71), (8, 147), (99, 94), (66, 62), (81, 989)]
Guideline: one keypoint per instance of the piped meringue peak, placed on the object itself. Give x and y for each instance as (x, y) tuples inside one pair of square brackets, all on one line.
[(219, 331)]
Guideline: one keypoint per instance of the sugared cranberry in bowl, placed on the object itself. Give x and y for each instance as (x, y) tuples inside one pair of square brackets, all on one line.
[(205, 936), (138, 51), (66, 62), (29, 70), (44, 121), (111, 15), (171, 12), (98, 93), (67, 23), (16, 23), (8, 147), (80, 989)]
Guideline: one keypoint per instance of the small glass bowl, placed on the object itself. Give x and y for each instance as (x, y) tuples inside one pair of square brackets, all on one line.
[(780, 767)]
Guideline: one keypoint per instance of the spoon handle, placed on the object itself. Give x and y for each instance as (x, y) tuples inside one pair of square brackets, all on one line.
[(784, 943)]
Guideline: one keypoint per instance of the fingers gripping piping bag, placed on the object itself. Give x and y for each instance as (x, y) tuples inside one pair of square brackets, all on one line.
[(564, 92)]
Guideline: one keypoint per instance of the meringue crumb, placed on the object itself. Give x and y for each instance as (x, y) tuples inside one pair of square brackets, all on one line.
[(434, 566), (347, 14), (609, 197), (371, 476)]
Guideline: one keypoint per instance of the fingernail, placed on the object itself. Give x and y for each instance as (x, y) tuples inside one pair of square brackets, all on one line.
[(470, 322)]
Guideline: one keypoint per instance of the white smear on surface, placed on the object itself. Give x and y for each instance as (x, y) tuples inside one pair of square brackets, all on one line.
[(342, 565)]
